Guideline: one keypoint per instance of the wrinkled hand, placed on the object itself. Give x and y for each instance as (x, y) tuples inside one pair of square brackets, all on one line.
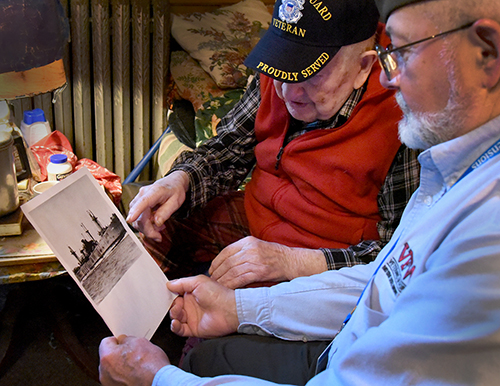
[(251, 260), (203, 309), (130, 361), (154, 204)]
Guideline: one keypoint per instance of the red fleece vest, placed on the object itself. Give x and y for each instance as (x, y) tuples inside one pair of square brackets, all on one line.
[(324, 193)]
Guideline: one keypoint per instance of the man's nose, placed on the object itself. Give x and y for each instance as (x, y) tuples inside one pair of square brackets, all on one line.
[(390, 84), (293, 88)]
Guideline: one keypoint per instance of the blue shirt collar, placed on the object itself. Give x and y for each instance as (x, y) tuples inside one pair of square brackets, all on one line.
[(453, 158)]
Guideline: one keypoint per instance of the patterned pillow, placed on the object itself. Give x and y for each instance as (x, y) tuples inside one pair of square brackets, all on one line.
[(193, 83), (221, 40)]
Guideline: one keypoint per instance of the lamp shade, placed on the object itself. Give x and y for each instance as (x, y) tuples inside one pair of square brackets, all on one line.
[(33, 35)]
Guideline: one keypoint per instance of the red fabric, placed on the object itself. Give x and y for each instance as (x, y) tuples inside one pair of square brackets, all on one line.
[(324, 193), (55, 143)]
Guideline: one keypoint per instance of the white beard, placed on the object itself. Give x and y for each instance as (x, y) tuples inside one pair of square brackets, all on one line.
[(424, 130)]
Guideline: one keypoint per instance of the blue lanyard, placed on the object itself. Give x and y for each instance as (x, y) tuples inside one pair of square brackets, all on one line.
[(491, 152), (323, 358), (348, 317)]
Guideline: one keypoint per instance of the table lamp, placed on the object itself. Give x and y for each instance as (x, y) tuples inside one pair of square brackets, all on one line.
[(33, 34)]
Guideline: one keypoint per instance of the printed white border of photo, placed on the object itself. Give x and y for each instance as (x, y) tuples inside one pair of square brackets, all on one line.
[(128, 306)]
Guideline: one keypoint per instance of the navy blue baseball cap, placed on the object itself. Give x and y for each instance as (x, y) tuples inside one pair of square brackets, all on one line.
[(305, 35)]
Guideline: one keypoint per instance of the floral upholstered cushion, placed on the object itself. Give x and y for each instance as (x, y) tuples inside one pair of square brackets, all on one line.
[(210, 103), (221, 40), (193, 83), (207, 118)]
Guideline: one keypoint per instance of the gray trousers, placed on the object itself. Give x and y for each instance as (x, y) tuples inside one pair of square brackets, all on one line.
[(267, 358)]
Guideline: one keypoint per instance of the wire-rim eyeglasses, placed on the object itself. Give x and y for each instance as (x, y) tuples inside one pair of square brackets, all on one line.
[(390, 63)]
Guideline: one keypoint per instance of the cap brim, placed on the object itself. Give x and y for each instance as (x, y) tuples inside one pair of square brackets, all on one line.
[(288, 61)]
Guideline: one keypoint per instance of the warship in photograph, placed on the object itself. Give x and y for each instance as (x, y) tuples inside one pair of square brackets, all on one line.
[(95, 248)]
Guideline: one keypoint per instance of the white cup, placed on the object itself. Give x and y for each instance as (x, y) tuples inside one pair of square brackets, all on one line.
[(43, 186)]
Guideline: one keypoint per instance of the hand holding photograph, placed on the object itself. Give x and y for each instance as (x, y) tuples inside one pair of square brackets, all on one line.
[(100, 252)]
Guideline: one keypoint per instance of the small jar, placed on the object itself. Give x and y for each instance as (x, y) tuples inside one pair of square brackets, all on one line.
[(58, 167)]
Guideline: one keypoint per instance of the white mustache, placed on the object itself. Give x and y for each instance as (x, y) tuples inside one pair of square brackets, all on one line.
[(402, 103)]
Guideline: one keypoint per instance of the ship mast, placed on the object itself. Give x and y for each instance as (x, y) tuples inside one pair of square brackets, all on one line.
[(96, 221), (87, 231), (73, 252)]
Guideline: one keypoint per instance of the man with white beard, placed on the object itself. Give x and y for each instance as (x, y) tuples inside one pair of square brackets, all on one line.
[(429, 311)]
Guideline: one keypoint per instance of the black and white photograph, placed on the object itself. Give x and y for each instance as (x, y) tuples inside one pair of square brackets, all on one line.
[(105, 253), (101, 253)]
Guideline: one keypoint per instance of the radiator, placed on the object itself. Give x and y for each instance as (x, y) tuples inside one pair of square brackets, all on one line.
[(113, 107)]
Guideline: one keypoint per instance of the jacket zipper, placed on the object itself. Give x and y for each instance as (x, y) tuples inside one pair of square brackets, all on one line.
[(278, 158)]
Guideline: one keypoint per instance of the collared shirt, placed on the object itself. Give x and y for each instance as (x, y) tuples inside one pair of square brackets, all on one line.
[(430, 316), (223, 162)]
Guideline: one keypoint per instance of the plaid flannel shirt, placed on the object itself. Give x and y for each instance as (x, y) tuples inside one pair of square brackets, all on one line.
[(223, 162)]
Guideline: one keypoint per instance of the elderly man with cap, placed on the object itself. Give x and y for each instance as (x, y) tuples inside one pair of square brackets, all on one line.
[(317, 131), (429, 313)]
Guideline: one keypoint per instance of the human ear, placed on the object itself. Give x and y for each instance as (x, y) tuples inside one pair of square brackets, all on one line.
[(278, 86), (485, 35), (366, 61)]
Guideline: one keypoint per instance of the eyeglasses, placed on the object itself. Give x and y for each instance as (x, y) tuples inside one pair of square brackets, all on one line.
[(389, 57)]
